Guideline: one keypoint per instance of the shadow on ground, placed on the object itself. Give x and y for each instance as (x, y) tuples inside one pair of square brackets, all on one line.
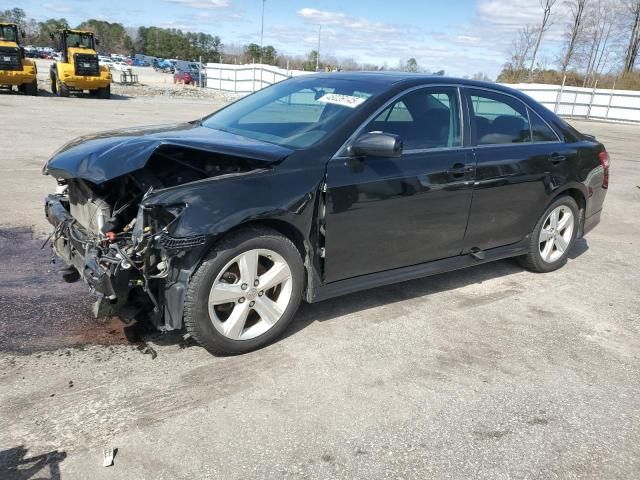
[(48, 93), (41, 312), (368, 299), (15, 465)]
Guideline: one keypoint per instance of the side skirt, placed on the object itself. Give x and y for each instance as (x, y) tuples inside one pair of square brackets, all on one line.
[(372, 280)]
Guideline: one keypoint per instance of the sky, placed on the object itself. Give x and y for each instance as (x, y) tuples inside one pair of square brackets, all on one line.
[(462, 37)]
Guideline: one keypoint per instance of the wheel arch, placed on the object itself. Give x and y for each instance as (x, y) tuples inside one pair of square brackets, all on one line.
[(580, 198), (174, 293), (283, 227)]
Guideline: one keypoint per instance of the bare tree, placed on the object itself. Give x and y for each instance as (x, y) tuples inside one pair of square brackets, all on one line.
[(546, 5), (483, 77), (633, 6), (574, 32), (520, 49), (598, 30)]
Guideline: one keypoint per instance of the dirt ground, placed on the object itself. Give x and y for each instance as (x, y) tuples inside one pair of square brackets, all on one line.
[(491, 372)]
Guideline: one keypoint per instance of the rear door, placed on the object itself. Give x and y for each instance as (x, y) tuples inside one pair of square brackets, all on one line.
[(520, 161), (385, 213)]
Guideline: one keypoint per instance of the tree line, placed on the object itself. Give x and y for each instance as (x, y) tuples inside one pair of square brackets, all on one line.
[(116, 38), (600, 46)]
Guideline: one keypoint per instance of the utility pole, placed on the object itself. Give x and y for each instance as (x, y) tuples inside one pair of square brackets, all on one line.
[(318, 50), (262, 31)]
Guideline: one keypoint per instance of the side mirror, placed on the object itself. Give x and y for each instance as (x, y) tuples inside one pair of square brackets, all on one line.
[(376, 144), (23, 33), (97, 41), (52, 36)]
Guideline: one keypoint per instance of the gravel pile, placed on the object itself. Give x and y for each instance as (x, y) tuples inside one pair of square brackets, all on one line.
[(171, 91)]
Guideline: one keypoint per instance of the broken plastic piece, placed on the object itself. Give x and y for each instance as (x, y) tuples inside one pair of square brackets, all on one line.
[(147, 350), (107, 456)]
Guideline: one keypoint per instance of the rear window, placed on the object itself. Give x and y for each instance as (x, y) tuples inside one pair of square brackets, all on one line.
[(498, 119)]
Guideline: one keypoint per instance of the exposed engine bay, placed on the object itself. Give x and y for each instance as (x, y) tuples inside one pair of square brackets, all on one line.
[(117, 241)]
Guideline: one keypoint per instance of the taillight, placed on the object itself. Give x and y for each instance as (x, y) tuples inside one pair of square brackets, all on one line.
[(605, 162)]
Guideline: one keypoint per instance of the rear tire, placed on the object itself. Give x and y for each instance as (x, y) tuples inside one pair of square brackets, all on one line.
[(104, 93), (54, 86), (553, 236), (259, 305), (31, 88)]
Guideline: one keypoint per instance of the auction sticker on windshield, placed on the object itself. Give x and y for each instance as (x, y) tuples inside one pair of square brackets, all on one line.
[(344, 100)]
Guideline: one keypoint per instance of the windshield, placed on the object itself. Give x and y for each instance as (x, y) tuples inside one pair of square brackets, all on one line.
[(79, 40), (8, 33), (295, 113)]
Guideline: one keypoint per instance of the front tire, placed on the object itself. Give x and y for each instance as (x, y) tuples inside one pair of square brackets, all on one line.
[(553, 237), (63, 90), (245, 293)]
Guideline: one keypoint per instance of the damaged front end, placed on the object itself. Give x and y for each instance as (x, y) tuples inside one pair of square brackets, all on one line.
[(123, 266), (119, 235)]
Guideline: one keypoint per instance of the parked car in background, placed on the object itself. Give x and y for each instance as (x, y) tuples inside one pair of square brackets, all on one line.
[(30, 52), (315, 187), (183, 76), (121, 66), (102, 60), (165, 66)]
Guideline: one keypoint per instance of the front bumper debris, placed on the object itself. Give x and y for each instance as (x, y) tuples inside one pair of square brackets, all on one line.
[(107, 274)]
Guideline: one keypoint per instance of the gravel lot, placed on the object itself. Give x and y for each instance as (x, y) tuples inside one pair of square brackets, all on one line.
[(490, 372)]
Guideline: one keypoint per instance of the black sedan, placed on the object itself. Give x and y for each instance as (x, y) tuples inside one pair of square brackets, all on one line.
[(315, 187)]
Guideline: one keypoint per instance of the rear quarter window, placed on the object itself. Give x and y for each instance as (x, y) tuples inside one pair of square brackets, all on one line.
[(540, 131)]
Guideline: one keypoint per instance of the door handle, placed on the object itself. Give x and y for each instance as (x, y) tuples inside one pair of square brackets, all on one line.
[(460, 169), (557, 158)]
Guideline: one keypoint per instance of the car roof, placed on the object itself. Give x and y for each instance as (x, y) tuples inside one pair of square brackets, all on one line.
[(390, 78)]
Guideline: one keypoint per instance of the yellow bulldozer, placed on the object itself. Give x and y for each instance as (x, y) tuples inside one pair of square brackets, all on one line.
[(79, 70), (15, 69)]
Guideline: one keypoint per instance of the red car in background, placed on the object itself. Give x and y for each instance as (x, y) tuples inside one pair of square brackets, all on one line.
[(183, 76)]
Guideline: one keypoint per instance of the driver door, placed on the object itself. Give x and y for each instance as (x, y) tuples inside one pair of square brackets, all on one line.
[(386, 213)]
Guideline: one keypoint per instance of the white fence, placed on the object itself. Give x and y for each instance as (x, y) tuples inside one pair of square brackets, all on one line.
[(245, 78), (595, 103)]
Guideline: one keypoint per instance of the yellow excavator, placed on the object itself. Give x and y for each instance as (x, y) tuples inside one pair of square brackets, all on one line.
[(15, 69), (79, 70)]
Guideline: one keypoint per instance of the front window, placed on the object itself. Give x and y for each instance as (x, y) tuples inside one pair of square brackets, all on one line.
[(8, 33), (425, 118), (295, 113), (79, 40)]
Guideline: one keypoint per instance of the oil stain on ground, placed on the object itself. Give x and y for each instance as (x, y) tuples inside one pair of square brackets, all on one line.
[(39, 311)]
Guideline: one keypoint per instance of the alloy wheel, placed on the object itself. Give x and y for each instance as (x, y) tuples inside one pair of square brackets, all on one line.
[(556, 233), (250, 294)]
